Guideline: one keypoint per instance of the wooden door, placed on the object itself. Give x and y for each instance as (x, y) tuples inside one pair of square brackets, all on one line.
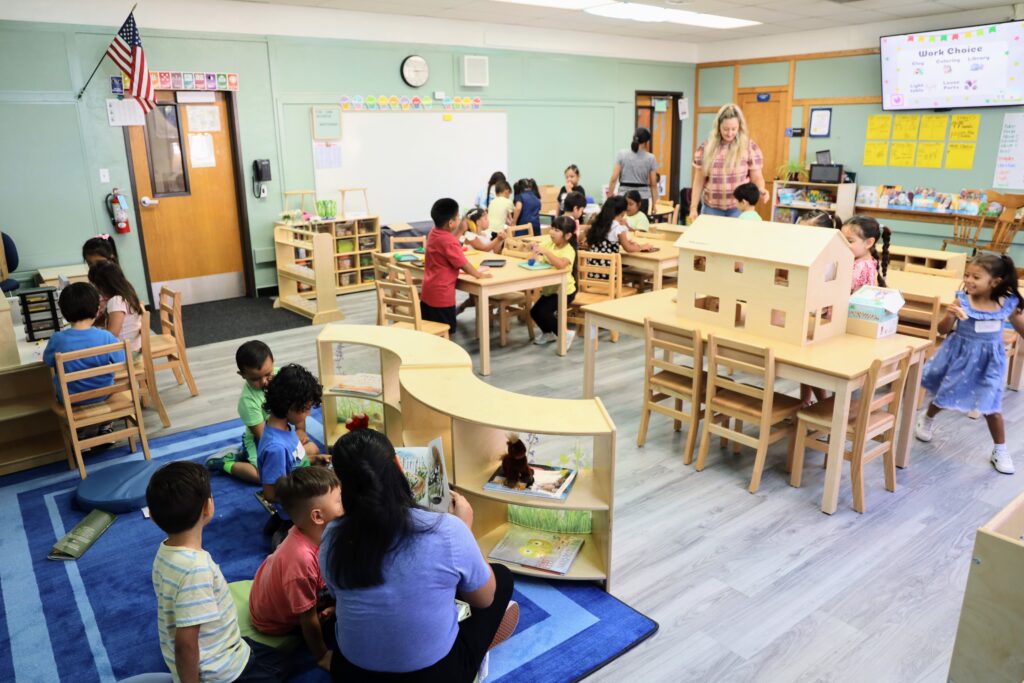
[(766, 123), (658, 113), (185, 188)]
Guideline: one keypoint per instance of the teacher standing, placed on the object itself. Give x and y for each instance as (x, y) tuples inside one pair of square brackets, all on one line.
[(726, 159), (636, 169)]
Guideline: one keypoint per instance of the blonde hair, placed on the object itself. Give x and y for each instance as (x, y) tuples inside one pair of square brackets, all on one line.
[(714, 141)]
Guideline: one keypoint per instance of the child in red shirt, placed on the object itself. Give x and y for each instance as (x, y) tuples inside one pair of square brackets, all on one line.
[(443, 261), (287, 587)]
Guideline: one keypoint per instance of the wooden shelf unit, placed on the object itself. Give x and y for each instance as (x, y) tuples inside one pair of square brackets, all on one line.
[(29, 431), (843, 195), (927, 261), (305, 273), (429, 389), (355, 240)]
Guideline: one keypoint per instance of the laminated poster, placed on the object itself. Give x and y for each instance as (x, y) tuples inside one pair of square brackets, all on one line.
[(960, 156), (902, 153), (879, 126), (905, 127), (933, 127), (876, 153), (929, 154)]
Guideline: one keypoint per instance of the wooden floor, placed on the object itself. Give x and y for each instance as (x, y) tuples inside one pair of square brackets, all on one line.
[(745, 587)]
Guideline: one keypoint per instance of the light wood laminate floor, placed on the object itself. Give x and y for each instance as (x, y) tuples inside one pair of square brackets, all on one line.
[(759, 587)]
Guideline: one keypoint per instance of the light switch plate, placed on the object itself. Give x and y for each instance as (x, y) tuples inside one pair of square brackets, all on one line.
[(104, 175)]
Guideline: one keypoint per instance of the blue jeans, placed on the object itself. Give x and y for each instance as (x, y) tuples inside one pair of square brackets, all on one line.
[(711, 211)]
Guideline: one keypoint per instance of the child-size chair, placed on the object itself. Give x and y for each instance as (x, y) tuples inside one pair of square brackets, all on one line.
[(667, 377), (121, 402), (871, 429), (399, 305), (597, 280), (146, 376), (168, 347), (966, 230), (729, 399)]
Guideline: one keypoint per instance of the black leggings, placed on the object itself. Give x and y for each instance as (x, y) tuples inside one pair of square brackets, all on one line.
[(462, 662), (545, 311)]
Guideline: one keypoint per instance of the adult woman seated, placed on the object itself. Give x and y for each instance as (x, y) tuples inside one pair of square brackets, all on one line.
[(395, 569)]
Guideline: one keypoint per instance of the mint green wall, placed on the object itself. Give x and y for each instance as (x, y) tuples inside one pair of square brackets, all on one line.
[(562, 109), (768, 73), (716, 86)]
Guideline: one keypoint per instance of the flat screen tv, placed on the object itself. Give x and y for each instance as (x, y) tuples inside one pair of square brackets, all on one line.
[(973, 66)]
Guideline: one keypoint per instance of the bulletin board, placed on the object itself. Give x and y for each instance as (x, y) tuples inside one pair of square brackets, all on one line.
[(922, 140)]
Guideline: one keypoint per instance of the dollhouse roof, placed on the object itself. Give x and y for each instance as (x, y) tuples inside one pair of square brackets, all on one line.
[(783, 243)]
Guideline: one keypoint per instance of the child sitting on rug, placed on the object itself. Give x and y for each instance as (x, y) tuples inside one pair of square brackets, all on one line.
[(290, 396), (288, 585), (196, 618), (256, 366)]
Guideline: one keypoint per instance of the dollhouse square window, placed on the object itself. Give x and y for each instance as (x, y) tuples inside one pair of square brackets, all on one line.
[(741, 313), (831, 270), (737, 266), (700, 264), (781, 277), (705, 302), (778, 318), (826, 315)]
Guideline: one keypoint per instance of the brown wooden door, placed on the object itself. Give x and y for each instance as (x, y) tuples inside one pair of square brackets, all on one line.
[(184, 172), (664, 137), (766, 123)]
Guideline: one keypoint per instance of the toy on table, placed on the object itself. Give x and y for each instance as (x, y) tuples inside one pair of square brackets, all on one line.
[(515, 467)]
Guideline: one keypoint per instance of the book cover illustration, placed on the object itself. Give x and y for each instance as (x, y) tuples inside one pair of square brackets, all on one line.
[(363, 384), (548, 482), (425, 471), (75, 542), (537, 549)]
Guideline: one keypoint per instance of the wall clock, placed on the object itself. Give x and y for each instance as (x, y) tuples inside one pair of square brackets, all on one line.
[(415, 71)]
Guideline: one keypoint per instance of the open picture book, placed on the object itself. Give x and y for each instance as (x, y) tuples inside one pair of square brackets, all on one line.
[(549, 481), (426, 473)]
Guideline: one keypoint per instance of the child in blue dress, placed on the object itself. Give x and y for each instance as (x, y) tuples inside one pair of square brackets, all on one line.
[(969, 371)]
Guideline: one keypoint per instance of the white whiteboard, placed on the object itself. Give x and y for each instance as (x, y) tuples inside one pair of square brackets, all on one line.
[(1010, 156), (408, 160)]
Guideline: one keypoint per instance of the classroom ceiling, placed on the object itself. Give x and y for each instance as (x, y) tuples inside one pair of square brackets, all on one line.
[(776, 17)]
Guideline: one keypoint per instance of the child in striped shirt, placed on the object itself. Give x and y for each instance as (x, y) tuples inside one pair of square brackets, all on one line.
[(196, 618)]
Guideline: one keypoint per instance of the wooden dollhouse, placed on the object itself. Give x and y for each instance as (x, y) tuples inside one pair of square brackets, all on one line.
[(776, 280)]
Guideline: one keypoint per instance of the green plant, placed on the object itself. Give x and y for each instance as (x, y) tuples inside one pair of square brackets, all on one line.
[(792, 170)]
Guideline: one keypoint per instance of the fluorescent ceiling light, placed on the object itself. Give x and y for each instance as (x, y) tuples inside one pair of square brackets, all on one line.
[(558, 4), (652, 13)]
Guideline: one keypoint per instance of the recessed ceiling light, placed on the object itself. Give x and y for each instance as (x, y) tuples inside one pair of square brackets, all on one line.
[(652, 13), (558, 4)]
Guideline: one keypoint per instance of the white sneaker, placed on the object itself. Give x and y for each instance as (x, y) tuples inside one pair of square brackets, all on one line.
[(925, 427), (545, 338), (570, 335), (1002, 461)]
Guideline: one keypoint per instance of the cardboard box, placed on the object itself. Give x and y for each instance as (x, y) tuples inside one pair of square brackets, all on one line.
[(872, 329), (875, 304)]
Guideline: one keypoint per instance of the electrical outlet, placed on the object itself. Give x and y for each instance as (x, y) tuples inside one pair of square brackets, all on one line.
[(263, 191), (104, 175)]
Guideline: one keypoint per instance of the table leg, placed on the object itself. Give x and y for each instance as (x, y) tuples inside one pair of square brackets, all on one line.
[(659, 273), (562, 313), (908, 413), (589, 355), (836, 446), (483, 314)]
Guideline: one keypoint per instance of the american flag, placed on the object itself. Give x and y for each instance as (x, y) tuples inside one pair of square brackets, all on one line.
[(126, 51)]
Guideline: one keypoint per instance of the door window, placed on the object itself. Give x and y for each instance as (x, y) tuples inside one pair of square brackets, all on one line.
[(167, 169)]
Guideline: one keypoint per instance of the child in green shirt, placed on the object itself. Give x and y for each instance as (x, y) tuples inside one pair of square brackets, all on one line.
[(747, 195), (255, 364)]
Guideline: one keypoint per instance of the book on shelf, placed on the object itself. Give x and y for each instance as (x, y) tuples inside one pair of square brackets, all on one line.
[(425, 471), (548, 482), (363, 384), (75, 542), (537, 549)]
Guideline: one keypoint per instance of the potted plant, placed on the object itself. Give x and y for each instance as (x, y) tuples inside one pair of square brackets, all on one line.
[(792, 170)]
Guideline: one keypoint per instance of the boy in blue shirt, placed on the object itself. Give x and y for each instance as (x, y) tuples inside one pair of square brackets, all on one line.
[(290, 397)]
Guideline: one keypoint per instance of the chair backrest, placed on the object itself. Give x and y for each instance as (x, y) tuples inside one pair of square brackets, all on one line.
[(170, 315), (381, 265), (398, 303), (1007, 225), (966, 229), (103, 364), (667, 345), (741, 361), (145, 332), (517, 247), (396, 273), (521, 230), (598, 273), (883, 389), (920, 316), (408, 242)]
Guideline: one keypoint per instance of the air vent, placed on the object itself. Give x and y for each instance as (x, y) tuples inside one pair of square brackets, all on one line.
[(475, 71)]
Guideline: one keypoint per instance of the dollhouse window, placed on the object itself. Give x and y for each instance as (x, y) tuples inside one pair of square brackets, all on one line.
[(781, 277), (778, 318), (812, 319), (826, 315), (705, 302), (831, 270), (737, 266), (741, 313), (700, 264)]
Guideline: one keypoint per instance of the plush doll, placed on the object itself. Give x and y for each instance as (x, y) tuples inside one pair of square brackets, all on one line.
[(357, 422), (514, 466)]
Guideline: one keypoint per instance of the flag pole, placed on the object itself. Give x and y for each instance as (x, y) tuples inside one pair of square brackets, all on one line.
[(97, 67)]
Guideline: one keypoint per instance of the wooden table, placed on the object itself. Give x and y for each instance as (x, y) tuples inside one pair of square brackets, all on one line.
[(654, 263), (510, 278), (838, 365), (50, 277)]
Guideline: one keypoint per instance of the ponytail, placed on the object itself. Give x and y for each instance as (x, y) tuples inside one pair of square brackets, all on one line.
[(640, 137), (883, 262), (100, 245)]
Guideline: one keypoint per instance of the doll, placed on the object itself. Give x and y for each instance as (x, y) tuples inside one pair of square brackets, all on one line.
[(514, 466)]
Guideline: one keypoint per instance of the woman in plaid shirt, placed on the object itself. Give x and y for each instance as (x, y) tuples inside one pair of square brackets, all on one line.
[(726, 159)]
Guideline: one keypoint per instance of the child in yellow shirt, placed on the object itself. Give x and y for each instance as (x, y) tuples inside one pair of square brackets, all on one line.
[(558, 249)]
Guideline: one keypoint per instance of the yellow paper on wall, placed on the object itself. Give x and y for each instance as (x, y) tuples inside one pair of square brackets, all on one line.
[(960, 156), (905, 127), (876, 153), (929, 154), (879, 126), (902, 153), (933, 127), (964, 127)]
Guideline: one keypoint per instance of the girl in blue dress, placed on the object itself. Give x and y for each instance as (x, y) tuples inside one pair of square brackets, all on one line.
[(969, 371)]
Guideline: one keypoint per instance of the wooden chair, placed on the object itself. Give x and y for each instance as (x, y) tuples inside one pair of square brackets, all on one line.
[(920, 317), (121, 402), (398, 243), (1007, 225), (596, 281), (399, 304), (146, 376), (728, 398), (667, 377), (168, 347), (517, 247), (871, 430), (966, 230)]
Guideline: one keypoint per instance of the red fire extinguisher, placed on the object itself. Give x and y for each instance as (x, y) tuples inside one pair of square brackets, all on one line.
[(117, 207)]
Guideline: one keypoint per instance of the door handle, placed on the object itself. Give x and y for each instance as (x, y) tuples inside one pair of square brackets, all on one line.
[(147, 202)]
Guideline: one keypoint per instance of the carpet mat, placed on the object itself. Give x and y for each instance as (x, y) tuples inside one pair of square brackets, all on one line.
[(241, 318), (94, 619)]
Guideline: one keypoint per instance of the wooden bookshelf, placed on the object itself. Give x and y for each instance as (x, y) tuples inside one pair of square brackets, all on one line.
[(305, 277), (842, 196), (354, 242), (29, 431), (429, 389)]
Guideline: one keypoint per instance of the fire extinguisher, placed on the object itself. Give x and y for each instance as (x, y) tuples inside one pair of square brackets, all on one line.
[(117, 207)]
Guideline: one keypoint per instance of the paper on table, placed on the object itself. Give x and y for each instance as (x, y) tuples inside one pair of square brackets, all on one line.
[(876, 153), (929, 154), (964, 127), (933, 127), (905, 127), (125, 112), (203, 118), (902, 153), (960, 156), (879, 126), (200, 150)]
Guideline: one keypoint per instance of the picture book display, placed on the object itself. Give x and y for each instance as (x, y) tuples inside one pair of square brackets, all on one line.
[(75, 542), (538, 549), (363, 384), (548, 482), (425, 471)]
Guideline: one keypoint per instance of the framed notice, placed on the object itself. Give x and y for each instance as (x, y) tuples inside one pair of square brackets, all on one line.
[(821, 122), (326, 122)]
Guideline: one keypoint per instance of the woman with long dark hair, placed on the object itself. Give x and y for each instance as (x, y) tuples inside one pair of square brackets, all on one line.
[(395, 570), (636, 169)]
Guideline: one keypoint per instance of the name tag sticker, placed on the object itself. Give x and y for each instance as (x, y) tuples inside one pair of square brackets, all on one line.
[(987, 326)]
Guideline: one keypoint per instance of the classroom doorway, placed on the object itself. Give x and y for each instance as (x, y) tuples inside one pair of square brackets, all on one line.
[(188, 189), (659, 112), (765, 110)]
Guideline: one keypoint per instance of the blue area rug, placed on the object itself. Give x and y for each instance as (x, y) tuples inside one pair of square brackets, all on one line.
[(94, 619)]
